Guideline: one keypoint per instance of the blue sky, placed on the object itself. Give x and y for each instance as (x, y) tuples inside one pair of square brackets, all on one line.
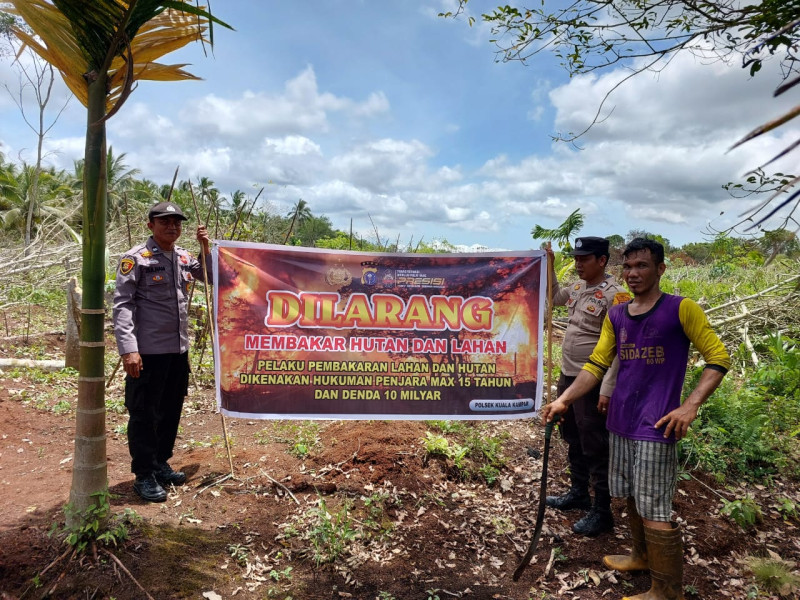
[(384, 113)]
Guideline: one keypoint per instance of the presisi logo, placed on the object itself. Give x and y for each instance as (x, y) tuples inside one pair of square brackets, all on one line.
[(414, 281), (369, 272)]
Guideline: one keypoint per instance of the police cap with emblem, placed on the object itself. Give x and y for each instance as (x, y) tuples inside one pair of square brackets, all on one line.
[(585, 246), (166, 209)]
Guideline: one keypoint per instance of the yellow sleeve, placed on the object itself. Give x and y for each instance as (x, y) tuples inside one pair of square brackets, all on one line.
[(604, 352), (698, 330)]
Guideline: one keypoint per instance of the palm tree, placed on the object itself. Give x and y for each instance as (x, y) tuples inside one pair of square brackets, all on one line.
[(561, 234), (30, 196), (120, 182), (299, 214), (100, 49)]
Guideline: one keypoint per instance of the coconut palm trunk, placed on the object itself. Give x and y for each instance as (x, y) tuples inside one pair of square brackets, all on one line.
[(89, 473)]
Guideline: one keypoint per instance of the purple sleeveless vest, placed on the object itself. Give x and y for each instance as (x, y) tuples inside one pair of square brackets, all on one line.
[(653, 351)]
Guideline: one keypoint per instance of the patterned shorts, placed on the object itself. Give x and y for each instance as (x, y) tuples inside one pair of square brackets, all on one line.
[(645, 471)]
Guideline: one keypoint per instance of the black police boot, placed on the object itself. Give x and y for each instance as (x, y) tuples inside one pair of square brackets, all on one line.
[(596, 521), (166, 476), (574, 498), (148, 488)]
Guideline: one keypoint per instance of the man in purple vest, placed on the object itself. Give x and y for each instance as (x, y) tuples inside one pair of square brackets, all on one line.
[(650, 336)]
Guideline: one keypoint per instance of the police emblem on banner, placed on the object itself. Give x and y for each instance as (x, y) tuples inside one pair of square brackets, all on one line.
[(338, 276)]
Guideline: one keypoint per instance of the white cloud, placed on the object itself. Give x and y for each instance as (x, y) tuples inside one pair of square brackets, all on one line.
[(376, 104), (384, 164), (393, 152), (659, 157), (293, 145), (300, 108)]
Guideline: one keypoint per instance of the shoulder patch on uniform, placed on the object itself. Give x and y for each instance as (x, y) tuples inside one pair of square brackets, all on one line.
[(126, 265), (621, 297)]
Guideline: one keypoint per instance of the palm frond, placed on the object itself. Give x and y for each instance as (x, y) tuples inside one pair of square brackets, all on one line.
[(77, 36), (768, 126)]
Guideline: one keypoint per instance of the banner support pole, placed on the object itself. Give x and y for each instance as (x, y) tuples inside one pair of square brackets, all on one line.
[(211, 331), (550, 269)]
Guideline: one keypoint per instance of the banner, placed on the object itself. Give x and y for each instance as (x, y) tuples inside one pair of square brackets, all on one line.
[(322, 334)]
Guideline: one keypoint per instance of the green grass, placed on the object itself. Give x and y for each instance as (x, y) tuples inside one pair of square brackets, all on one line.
[(774, 576), (749, 428), (301, 437), (473, 450)]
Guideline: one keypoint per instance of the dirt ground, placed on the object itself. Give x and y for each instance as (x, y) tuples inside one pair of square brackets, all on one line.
[(401, 526)]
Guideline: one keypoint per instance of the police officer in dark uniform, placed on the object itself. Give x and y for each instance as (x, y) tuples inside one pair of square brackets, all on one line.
[(151, 328), (584, 424)]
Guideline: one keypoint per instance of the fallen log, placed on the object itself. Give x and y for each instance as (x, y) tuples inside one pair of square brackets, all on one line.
[(46, 365)]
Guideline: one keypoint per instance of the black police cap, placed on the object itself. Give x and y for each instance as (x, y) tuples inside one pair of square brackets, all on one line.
[(590, 245), (166, 209)]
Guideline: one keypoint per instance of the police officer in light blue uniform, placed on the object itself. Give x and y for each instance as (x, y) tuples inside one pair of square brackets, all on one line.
[(151, 328)]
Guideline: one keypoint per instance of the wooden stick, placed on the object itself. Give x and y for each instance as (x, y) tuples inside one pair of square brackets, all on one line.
[(172, 185), (278, 483), (128, 573), (215, 482), (549, 323), (211, 332), (56, 561), (550, 563)]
